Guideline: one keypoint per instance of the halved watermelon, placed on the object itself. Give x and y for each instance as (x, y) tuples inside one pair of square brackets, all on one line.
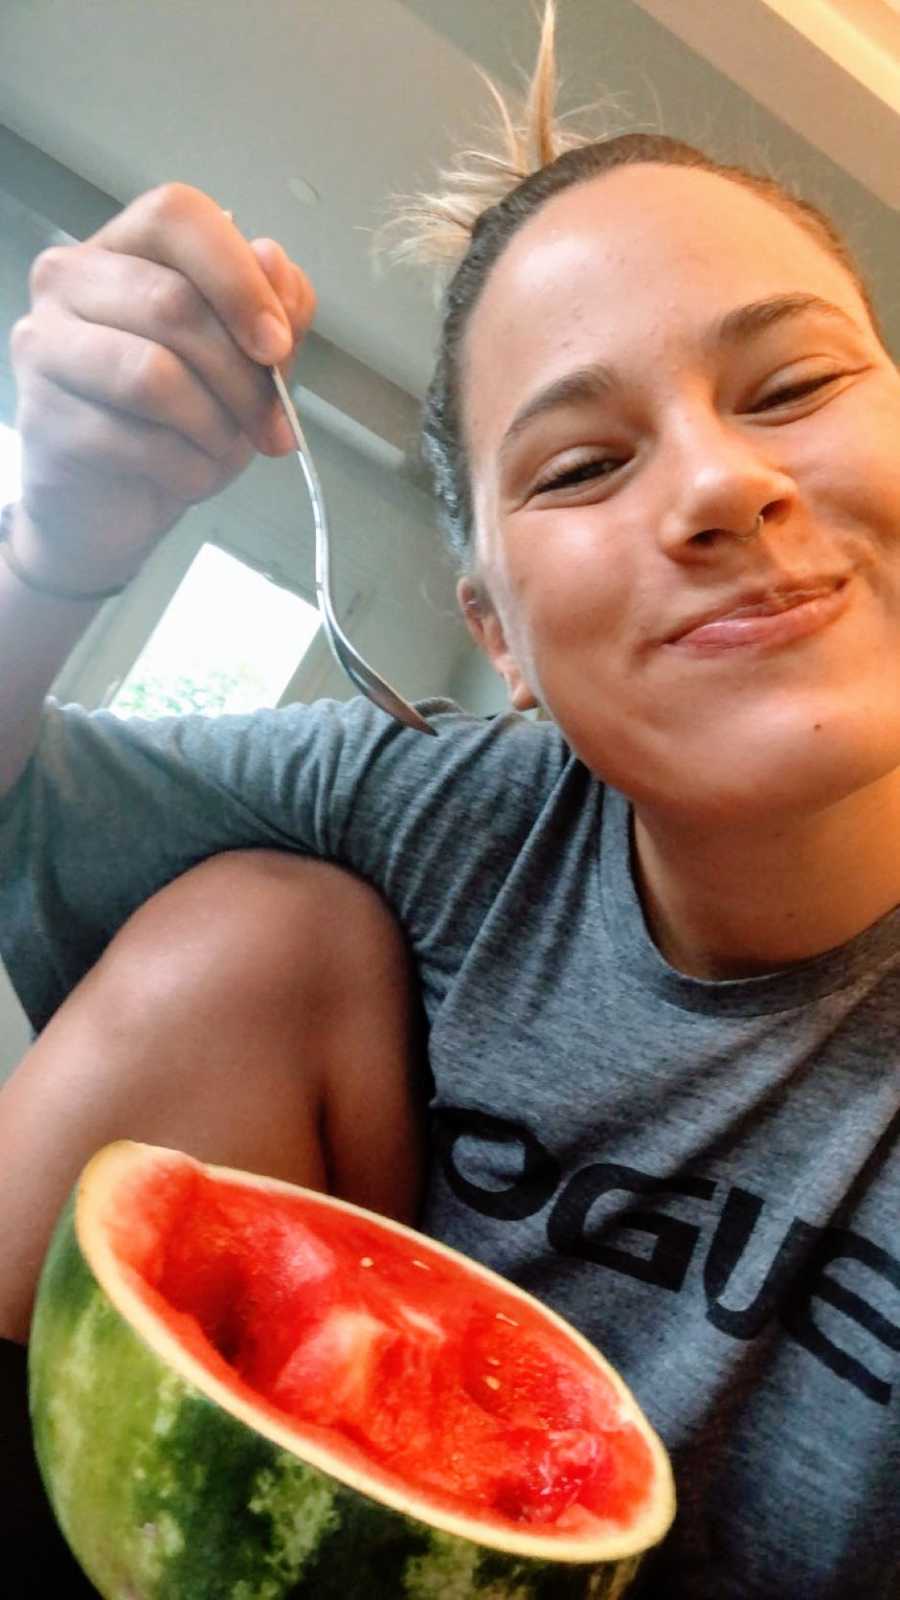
[(248, 1390)]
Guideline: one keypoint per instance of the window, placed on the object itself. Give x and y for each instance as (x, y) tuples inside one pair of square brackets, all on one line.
[(229, 640)]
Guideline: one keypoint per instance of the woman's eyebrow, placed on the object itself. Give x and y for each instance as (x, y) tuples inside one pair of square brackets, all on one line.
[(589, 383), (578, 387), (742, 324)]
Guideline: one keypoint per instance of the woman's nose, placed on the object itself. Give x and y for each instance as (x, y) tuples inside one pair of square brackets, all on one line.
[(716, 483)]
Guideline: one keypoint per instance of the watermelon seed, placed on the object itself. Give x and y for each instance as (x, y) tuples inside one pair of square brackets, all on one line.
[(492, 1383), (501, 1317), (421, 1264), (492, 1361), (366, 1261)]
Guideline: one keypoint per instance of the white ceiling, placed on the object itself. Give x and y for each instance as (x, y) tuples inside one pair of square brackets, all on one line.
[(361, 98)]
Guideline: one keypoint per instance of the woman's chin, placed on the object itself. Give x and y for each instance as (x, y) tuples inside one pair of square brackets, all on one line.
[(743, 771), (760, 785)]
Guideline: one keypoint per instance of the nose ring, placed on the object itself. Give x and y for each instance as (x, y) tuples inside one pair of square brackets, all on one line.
[(744, 538)]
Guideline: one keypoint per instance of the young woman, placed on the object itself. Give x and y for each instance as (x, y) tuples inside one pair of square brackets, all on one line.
[(655, 938)]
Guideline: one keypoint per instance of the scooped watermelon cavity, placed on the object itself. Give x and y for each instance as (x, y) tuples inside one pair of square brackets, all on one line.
[(333, 1322), (396, 1368)]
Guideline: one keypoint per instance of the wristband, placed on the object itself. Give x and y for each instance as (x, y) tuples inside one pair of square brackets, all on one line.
[(37, 585)]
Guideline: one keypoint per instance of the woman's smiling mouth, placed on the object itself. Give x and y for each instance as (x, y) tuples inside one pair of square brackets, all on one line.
[(773, 616)]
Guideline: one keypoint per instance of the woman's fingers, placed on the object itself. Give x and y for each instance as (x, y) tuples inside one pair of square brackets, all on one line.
[(299, 300), (183, 229), (102, 445), (142, 372), (140, 337)]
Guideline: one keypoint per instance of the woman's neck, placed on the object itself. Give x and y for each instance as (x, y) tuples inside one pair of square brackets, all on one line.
[(736, 903)]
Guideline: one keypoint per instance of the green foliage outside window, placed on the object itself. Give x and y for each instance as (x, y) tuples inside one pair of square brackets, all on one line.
[(159, 695)]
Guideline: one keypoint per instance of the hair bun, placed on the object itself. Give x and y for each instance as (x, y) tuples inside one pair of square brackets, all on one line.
[(437, 228)]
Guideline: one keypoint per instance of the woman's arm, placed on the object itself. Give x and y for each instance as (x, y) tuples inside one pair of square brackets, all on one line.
[(142, 389)]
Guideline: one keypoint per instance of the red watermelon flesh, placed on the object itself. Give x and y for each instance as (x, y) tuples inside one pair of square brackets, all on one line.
[(426, 1376)]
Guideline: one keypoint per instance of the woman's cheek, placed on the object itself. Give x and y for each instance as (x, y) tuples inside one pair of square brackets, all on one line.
[(583, 598)]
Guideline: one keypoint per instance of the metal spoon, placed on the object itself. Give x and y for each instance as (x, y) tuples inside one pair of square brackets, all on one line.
[(357, 670)]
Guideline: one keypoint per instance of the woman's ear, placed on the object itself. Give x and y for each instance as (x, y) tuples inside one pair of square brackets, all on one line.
[(486, 629)]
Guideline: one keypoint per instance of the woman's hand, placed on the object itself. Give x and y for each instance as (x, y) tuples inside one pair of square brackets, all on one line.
[(141, 372)]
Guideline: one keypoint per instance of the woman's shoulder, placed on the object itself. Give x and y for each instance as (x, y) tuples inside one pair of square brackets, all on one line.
[(468, 750), (333, 747)]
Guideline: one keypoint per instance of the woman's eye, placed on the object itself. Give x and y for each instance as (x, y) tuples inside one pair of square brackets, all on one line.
[(794, 391), (581, 472)]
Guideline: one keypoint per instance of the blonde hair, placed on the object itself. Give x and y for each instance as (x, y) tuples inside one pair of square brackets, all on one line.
[(436, 228), (486, 197)]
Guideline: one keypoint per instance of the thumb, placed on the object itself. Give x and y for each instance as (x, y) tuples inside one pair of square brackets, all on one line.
[(292, 286)]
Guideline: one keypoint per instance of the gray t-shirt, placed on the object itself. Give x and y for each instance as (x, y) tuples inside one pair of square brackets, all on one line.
[(702, 1176)]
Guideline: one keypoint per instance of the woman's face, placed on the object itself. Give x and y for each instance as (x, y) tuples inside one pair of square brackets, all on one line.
[(623, 435)]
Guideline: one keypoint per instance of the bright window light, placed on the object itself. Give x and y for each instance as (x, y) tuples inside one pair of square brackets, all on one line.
[(229, 640)]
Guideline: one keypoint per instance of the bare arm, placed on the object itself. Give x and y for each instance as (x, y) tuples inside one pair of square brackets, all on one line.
[(142, 390), (36, 635)]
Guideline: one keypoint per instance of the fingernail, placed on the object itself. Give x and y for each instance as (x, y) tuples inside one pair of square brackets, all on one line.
[(271, 338)]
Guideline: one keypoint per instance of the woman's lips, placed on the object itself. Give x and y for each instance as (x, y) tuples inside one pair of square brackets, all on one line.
[(778, 622)]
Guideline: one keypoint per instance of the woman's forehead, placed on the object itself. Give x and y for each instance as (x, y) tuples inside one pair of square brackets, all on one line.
[(637, 253)]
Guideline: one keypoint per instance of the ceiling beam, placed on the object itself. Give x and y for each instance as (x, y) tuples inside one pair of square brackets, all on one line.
[(828, 69), (354, 401)]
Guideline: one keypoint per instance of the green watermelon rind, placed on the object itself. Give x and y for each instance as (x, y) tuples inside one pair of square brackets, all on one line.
[(163, 1494)]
